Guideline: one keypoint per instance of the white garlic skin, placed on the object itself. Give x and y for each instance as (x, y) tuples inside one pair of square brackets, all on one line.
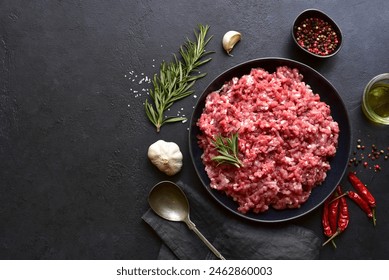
[(230, 39), (166, 156)]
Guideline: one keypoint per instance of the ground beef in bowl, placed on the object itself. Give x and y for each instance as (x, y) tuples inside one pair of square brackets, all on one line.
[(286, 138)]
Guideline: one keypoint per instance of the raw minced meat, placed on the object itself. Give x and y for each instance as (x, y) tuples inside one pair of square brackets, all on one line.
[(286, 137)]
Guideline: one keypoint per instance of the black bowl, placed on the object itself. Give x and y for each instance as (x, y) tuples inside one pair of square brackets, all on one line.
[(338, 163), (313, 13)]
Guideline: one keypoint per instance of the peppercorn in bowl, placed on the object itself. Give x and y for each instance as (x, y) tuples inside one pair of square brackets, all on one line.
[(317, 34)]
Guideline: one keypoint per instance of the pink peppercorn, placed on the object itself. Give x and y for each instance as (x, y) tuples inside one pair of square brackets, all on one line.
[(317, 36)]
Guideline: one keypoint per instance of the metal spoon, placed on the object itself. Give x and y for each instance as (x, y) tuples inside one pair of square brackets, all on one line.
[(169, 202)]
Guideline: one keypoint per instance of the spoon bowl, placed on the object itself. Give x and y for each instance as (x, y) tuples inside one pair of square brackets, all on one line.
[(170, 203)]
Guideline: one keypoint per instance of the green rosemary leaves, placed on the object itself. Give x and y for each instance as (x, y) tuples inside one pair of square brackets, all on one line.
[(227, 148), (176, 79)]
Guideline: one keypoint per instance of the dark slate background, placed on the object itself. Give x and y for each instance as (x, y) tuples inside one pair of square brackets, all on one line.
[(74, 173)]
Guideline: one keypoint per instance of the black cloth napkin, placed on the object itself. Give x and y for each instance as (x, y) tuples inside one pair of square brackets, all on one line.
[(234, 237)]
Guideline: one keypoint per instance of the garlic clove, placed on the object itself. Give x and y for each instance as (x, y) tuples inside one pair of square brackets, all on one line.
[(230, 39)]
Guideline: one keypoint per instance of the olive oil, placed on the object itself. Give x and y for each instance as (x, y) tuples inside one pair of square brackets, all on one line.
[(378, 99), (375, 103)]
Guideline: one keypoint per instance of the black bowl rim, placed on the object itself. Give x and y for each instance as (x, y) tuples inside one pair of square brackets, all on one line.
[(330, 20), (347, 144)]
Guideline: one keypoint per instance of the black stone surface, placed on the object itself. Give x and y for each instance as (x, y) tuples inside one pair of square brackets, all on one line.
[(74, 174)]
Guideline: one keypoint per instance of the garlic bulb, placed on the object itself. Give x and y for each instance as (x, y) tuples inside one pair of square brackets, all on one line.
[(166, 156), (230, 39)]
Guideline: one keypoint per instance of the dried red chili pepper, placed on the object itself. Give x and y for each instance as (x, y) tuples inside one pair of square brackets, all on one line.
[(362, 204), (361, 189), (343, 219), (325, 220), (333, 213), (344, 216)]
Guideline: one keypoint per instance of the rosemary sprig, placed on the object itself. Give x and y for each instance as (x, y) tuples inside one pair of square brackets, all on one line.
[(227, 148), (176, 78)]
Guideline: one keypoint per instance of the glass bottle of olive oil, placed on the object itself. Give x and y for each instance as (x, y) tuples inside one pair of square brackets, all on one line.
[(375, 103)]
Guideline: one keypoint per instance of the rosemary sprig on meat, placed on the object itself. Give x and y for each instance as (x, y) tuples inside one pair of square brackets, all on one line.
[(227, 148), (176, 78)]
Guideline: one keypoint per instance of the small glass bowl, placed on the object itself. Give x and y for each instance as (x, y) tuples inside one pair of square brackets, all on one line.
[(312, 14), (375, 99)]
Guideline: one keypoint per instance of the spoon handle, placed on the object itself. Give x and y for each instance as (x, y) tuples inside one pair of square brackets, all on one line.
[(193, 227)]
